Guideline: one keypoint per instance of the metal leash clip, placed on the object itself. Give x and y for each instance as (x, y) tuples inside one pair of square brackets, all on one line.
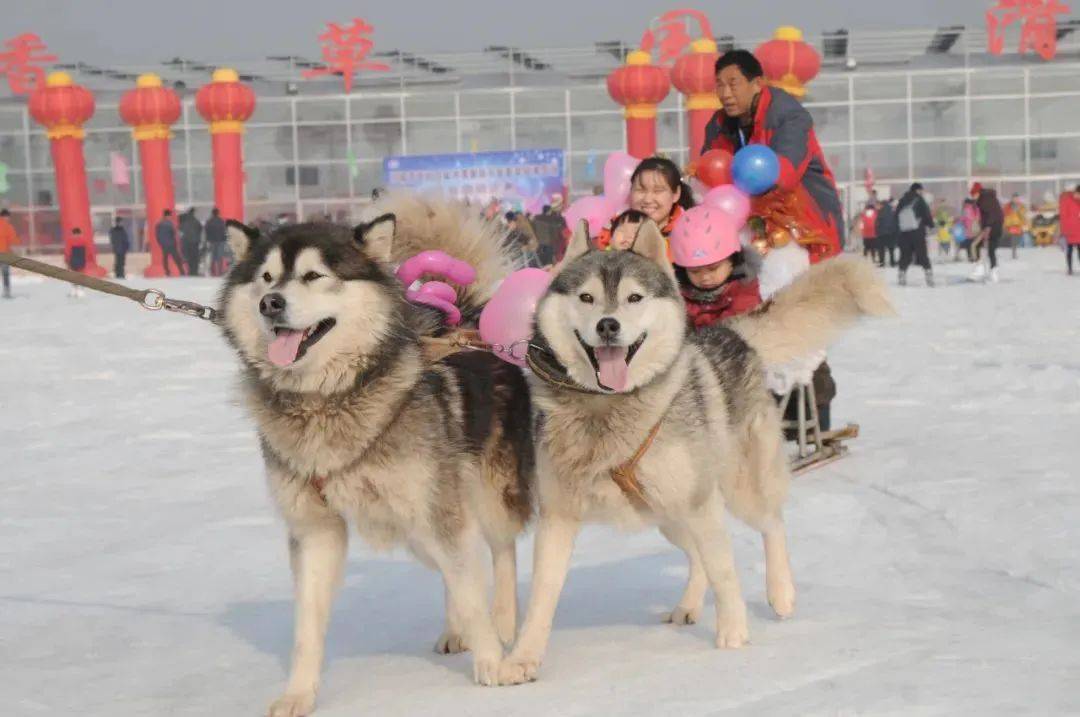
[(155, 300), (190, 308)]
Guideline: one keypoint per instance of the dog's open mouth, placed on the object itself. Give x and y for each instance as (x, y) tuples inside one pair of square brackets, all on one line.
[(290, 345), (612, 363)]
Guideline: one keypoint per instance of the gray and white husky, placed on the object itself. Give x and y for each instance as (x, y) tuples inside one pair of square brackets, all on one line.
[(356, 428), (619, 385)]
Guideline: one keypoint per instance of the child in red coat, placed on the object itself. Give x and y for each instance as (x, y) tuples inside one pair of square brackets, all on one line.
[(709, 264)]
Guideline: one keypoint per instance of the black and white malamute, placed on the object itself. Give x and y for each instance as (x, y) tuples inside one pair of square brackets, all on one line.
[(357, 428)]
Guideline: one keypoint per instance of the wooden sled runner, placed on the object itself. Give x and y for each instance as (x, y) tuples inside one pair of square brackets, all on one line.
[(831, 448), (815, 447)]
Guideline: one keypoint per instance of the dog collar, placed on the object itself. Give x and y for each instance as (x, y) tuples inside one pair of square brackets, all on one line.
[(542, 362)]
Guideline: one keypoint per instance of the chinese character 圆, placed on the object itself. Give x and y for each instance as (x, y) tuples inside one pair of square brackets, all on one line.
[(17, 63), (1038, 32), (671, 34), (345, 49)]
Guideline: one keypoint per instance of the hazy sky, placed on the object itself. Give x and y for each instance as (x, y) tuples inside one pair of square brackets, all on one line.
[(148, 31)]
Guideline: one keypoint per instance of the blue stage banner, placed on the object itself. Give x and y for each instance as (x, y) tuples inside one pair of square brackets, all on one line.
[(523, 179)]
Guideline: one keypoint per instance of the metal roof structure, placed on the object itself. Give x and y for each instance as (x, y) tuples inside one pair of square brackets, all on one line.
[(501, 66)]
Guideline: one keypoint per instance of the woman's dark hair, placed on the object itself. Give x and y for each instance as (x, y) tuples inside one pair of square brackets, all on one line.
[(671, 174), (631, 216), (748, 65)]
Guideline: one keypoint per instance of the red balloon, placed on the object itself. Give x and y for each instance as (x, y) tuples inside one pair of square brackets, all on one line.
[(714, 168)]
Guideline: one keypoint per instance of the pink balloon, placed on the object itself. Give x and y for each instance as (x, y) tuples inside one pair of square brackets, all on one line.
[(595, 210), (438, 295), (436, 263), (617, 171), (507, 320), (731, 200)]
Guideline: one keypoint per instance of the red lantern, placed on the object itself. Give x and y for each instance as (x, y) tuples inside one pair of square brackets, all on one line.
[(226, 105), (713, 168), (694, 74), (789, 63), (639, 86), (150, 108), (63, 107)]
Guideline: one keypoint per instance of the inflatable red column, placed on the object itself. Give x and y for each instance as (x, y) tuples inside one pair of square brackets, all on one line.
[(226, 104), (694, 74), (150, 108), (63, 107), (639, 86)]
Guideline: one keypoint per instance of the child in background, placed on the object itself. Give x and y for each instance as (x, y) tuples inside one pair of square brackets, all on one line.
[(944, 221), (969, 217), (624, 230), (76, 260), (711, 268)]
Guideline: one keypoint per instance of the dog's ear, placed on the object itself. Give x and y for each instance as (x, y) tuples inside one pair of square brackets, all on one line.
[(651, 244), (579, 244), (241, 238), (377, 236)]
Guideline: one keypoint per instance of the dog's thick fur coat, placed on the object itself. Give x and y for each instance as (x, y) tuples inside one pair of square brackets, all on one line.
[(358, 429), (718, 441)]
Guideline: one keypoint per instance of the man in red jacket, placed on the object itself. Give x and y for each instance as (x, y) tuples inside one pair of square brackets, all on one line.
[(753, 113)]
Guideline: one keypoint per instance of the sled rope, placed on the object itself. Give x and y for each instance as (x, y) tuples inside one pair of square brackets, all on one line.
[(151, 299), (439, 347)]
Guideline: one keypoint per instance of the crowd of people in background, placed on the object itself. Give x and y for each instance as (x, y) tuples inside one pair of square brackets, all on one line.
[(979, 227)]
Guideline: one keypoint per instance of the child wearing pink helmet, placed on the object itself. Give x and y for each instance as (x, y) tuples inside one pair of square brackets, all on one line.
[(710, 266)]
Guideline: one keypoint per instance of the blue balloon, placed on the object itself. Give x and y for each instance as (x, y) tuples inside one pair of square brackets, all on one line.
[(958, 233), (755, 169)]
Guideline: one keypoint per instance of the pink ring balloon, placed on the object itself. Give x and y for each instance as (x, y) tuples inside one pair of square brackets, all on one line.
[(435, 298), (440, 290), (436, 263)]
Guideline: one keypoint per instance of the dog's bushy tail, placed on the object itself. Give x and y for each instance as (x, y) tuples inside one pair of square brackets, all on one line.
[(425, 223), (810, 313)]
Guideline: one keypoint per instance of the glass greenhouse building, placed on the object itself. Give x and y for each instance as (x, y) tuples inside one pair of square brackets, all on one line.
[(926, 105)]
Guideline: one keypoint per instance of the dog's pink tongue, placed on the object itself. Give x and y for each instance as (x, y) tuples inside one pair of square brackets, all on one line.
[(282, 350), (613, 368)]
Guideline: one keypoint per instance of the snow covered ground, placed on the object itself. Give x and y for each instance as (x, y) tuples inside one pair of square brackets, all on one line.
[(142, 571)]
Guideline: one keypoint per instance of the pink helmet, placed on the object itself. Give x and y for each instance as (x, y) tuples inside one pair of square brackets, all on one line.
[(702, 236)]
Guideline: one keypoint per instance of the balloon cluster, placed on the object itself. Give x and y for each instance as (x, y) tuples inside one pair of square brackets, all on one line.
[(731, 180), (507, 320)]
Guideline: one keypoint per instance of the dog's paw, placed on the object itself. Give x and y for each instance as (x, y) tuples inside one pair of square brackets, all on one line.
[(516, 670), (683, 615), (731, 631), (293, 705), (450, 643), (782, 597), (486, 670)]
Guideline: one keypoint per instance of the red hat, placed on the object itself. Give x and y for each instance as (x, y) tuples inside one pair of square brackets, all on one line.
[(976, 189)]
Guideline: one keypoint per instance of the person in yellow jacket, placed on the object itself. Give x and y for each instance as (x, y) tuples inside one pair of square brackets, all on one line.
[(1016, 222), (8, 240), (943, 220)]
